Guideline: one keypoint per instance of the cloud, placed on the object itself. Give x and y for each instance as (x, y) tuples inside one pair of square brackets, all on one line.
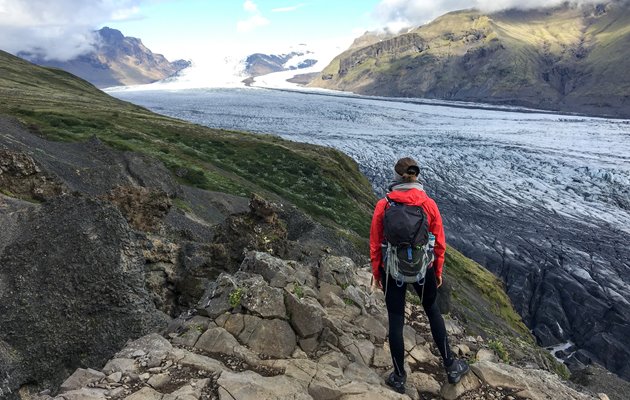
[(396, 13), (287, 9), (251, 23), (254, 21), (250, 6), (60, 29)]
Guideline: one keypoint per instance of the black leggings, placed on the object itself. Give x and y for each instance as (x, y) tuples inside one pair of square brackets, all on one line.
[(395, 301)]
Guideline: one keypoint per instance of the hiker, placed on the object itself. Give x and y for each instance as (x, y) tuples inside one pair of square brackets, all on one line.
[(407, 211)]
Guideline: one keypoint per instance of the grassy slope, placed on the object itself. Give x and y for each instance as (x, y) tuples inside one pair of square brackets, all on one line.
[(551, 59), (323, 182)]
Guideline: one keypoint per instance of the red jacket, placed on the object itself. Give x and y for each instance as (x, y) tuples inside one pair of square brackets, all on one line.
[(415, 197)]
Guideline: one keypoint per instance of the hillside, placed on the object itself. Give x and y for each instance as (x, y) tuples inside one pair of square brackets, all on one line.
[(159, 209), (567, 59), (116, 60)]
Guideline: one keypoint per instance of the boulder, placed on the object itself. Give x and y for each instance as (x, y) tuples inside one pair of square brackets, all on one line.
[(535, 384), (305, 315), (80, 378), (249, 385), (146, 393), (217, 340), (336, 271), (468, 383), (197, 361), (424, 383), (191, 391), (216, 298), (273, 338), (153, 348), (261, 299)]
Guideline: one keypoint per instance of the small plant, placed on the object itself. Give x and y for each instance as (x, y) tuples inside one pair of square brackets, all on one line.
[(298, 290), (499, 349), (348, 302), (235, 297)]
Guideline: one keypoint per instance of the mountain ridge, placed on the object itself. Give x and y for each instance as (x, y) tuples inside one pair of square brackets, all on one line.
[(117, 60), (566, 59)]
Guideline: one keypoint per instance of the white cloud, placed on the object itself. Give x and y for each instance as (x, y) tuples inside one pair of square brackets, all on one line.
[(250, 6), (254, 21), (397, 13), (287, 9), (60, 29), (251, 23)]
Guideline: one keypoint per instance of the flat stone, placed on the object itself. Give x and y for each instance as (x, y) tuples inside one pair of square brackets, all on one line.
[(126, 366), (461, 349), (217, 340), (365, 391), (192, 391), (309, 345), (382, 357), (188, 338), (468, 383), (409, 337), (371, 326), (153, 345), (424, 383), (81, 378), (159, 380), (274, 338), (486, 355), (234, 324), (86, 394), (422, 354), (335, 359), (249, 385), (361, 373), (146, 393), (305, 315), (197, 361), (115, 377), (263, 300), (497, 376)]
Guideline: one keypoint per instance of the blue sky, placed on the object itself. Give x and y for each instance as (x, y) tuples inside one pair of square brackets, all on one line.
[(193, 29), (179, 28)]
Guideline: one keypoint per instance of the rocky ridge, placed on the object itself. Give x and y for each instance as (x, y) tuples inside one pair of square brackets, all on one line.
[(291, 317), (279, 329), (116, 60), (567, 58)]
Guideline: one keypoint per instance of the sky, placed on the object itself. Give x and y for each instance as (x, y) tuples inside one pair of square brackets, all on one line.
[(204, 29)]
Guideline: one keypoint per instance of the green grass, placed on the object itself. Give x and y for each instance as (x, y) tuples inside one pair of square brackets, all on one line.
[(321, 181)]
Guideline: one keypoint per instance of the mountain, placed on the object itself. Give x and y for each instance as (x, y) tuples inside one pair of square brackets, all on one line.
[(146, 218), (116, 60), (261, 64), (567, 59)]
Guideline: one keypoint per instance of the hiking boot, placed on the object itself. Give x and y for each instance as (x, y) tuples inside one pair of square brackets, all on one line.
[(396, 382), (458, 369)]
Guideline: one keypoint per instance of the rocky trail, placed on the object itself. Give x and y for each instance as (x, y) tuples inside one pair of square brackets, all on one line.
[(276, 329)]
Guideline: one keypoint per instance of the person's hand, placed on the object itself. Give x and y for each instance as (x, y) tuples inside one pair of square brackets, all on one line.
[(376, 283), (439, 280)]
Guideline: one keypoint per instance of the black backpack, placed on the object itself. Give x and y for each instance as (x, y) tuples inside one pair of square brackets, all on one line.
[(408, 246)]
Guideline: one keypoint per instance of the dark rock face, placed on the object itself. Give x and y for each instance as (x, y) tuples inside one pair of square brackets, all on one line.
[(73, 292)]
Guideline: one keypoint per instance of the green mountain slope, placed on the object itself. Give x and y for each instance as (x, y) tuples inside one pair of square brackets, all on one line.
[(567, 59), (321, 181)]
